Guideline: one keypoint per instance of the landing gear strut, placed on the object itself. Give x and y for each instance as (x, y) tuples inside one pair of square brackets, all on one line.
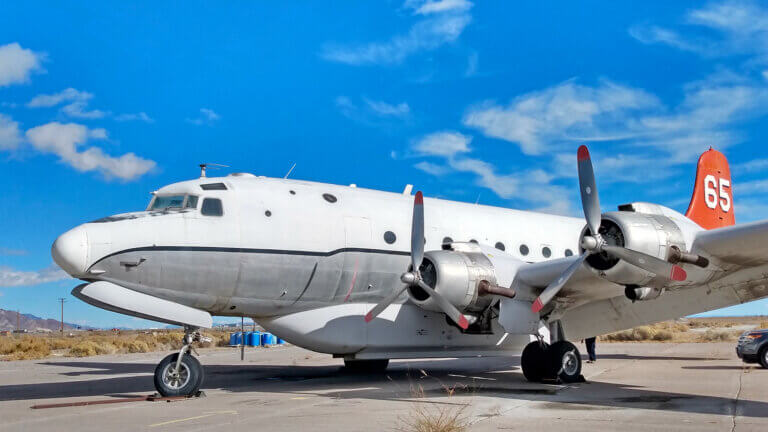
[(180, 374), (560, 361)]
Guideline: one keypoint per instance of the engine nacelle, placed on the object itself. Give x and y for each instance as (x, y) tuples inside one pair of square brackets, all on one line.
[(458, 276), (636, 293), (653, 234)]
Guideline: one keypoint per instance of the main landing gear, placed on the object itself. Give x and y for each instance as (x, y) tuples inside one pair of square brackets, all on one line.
[(559, 361), (180, 374)]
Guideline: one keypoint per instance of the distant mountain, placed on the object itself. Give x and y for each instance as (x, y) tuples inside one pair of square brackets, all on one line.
[(31, 322)]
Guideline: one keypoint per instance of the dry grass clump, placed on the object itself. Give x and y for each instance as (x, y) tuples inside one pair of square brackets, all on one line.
[(23, 348), (764, 324), (659, 332), (426, 417), (37, 346), (718, 336)]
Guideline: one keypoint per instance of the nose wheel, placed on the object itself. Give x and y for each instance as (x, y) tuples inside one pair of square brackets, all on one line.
[(560, 361), (180, 374)]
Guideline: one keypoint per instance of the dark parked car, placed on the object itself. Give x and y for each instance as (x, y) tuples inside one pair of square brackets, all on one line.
[(753, 347)]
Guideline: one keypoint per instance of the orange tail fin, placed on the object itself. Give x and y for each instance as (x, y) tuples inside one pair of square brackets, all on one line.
[(712, 201)]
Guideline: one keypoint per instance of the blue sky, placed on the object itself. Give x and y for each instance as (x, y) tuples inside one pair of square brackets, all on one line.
[(103, 102)]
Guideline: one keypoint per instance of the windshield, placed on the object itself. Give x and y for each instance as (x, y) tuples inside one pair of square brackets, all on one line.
[(173, 201)]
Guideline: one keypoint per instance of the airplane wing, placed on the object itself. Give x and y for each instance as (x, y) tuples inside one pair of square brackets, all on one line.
[(716, 263)]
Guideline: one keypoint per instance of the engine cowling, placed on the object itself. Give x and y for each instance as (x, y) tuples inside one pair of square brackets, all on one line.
[(652, 234), (459, 276)]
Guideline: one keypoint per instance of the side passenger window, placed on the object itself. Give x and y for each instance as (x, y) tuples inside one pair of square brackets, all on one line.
[(212, 207)]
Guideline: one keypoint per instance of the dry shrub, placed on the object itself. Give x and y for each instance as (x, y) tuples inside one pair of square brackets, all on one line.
[(663, 335), (425, 417), (24, 348), (637, 334), (718, 336), (764, 324)]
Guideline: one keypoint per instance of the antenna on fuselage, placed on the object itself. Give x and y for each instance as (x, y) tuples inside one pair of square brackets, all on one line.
[(289, 171), (204, 166)]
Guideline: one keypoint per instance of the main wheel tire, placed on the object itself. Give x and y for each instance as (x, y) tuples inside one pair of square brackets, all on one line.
[(564, 362), (763, 356), (366, 366), (534, 361), (186, 384)]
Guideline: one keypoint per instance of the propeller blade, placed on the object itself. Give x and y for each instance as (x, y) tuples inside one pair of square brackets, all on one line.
[(551, 291), (379, 308), (589, 199), (648, 262), (417, 232), (446, 306)]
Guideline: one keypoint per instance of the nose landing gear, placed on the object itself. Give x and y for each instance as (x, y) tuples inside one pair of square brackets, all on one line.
[(179, 374), (560, 361)]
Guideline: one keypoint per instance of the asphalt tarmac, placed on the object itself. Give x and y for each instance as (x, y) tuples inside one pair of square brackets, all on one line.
[(632, 387)]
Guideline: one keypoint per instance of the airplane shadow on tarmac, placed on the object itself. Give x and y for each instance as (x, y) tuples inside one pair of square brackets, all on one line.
[(403, 381)]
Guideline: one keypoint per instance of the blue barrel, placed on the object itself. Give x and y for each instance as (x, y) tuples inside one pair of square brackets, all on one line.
[(272, 339), (255, 339), (247, 338), (236, 338), (280, 341), (266, 339)]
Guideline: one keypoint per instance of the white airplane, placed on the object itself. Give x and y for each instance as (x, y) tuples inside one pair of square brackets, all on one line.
[(313, 262)]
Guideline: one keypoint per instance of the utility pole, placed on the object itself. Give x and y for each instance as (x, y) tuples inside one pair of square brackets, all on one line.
[(18, 320), (62, 300)]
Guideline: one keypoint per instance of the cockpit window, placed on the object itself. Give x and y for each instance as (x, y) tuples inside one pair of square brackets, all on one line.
[(212, 207), (165, 202)]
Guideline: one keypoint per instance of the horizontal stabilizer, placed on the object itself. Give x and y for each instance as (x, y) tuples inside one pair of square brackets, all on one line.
[(109, 296)]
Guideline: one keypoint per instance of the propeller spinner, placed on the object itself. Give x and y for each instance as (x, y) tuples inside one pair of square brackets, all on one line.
[(413, 276), (594, 243)]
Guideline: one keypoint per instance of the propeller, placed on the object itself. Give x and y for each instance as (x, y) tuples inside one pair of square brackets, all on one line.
[(594, 243), (413, 276)]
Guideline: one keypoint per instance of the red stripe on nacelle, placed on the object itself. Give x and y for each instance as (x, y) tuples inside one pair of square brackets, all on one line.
[(678, 274), (368, 317), (419, 198)]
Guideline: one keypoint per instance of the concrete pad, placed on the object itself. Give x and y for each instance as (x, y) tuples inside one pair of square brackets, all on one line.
[(633, 386)]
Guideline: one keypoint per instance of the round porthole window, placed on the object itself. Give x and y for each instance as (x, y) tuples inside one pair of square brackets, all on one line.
[(389, 237), (292, 192), (500, 246), (524, 250), (568, 252), (546, 252), (268, 213), (330, 198), (473, 241), (447, 240)]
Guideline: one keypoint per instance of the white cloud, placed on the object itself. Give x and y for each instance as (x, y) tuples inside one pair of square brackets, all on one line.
[(533, 186), (17, 64), (388, 110), (207, 117), (141, 116), (755, 165), (538, 120), (433, 169), (443, 23), (446, 144), (12, 252), (63, 140), (732, 28), (427, 7), (10, 137), (10, 277), (76, 107)]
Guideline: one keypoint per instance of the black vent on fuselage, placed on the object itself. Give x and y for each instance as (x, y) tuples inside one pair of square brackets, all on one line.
[(214, 186)]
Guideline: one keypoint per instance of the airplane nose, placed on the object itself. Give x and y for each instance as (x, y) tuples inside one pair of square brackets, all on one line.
[(70, 251)]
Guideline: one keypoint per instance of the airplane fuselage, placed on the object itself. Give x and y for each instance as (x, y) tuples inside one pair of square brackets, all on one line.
[(304, 259)]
